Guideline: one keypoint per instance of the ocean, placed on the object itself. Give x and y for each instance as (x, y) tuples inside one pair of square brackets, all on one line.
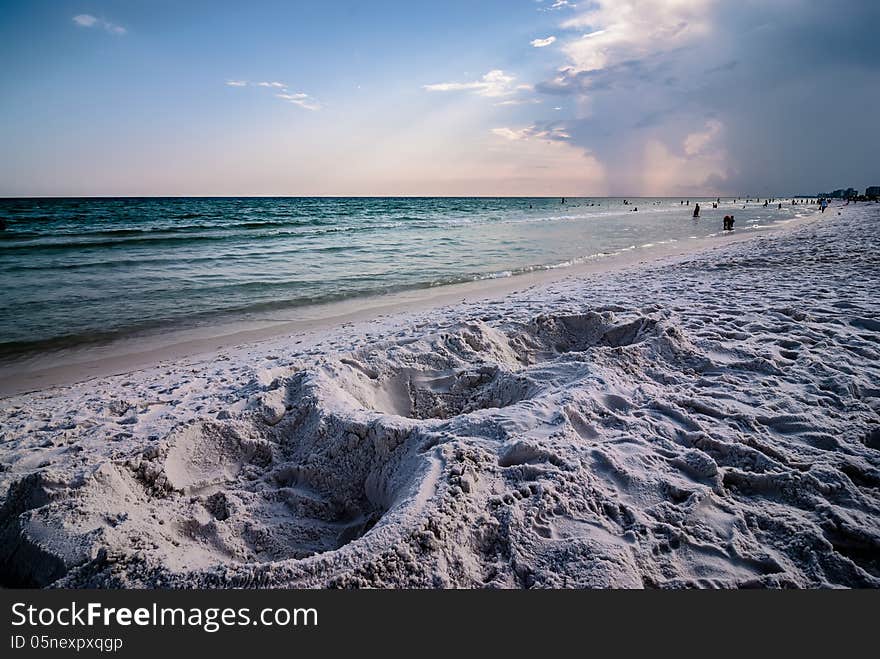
[(90, 270)]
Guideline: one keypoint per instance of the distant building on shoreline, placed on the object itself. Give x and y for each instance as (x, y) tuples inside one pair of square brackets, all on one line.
[(842, 193), (873, 191)]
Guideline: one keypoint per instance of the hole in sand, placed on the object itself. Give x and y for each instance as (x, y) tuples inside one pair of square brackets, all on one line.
[(248, 507), (214, 494), (579, 332), (434, 386), (442, 394)]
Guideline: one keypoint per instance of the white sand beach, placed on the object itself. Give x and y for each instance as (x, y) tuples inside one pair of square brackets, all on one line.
[(707, 420)]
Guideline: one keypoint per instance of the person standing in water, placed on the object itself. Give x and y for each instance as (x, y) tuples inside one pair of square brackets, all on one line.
[(696, 211)]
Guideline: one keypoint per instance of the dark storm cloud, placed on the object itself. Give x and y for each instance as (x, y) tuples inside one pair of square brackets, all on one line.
[(795, 84)]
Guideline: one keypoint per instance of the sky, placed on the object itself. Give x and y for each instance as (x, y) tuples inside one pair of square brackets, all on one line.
[(460, 98)]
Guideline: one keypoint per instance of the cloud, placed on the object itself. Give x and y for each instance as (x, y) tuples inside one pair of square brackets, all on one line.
[(634, 29), (520, 101), (622, 64), (666, 171), (718, 97), (556, 5), (512, 134), (700, 162), (547, 132), (300, 99), (543, 43), (87, 20), (494, 84), (531, 159), (696, 142)]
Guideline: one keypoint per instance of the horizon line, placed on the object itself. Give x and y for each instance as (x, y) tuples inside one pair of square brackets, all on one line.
[(408, 196)]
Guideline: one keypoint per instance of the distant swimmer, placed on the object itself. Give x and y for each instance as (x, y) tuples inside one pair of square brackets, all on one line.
[(563, 200), (779, 207), (636, 209), (697, 211)]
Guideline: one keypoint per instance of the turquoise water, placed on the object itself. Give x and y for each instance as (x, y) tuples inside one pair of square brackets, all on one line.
[(89, 270)]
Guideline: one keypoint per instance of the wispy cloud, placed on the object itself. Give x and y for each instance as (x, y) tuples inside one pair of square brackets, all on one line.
[(553, 133), (556, 5), (543, 43), (494, 84), (513, 134), (300, 99), (87, 20), (520, 101)]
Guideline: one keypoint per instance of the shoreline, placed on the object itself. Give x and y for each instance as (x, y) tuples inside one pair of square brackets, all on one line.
[(39, 372)]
